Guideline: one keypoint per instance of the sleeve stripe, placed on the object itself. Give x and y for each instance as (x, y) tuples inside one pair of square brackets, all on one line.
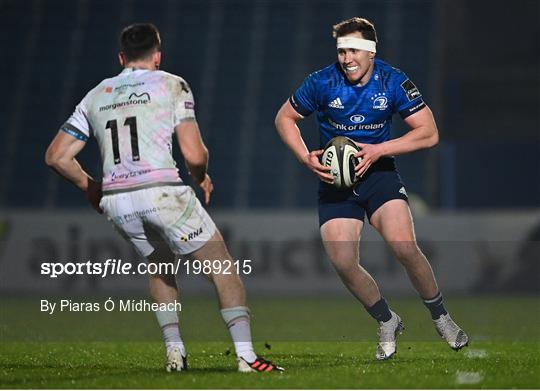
[(411, 110), (73, 131), (299, 109), (187, 119)]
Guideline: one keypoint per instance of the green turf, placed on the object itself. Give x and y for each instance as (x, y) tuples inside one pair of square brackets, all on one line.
[(323, 343), (309, 365)]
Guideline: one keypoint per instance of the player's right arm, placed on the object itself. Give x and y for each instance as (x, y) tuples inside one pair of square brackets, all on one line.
[(195, 155), (60, 156), (287, 128)]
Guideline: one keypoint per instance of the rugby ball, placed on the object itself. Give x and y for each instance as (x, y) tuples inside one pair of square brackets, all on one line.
[(339, 156)]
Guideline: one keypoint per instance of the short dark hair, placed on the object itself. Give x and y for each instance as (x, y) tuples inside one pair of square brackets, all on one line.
[(355, 24), (139, 41)]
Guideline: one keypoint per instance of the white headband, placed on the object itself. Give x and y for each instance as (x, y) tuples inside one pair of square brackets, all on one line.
[(356, 43)]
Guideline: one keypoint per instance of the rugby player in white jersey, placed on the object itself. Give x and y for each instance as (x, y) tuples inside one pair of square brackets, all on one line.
[(133, 116)]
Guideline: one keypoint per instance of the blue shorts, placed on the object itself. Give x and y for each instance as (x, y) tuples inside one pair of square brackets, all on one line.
[(380, 184)]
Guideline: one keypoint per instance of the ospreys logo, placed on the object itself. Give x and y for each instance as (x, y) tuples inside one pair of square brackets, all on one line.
[(184, 87), (191, 235), (140, 96)]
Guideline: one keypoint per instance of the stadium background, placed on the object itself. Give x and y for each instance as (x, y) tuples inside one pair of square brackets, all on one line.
[(476, 196), (476, 65)]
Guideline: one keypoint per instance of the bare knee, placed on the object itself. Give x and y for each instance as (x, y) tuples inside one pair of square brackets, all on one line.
[(163, 287), (341, 254), (340, 238), (406, 252), (213, 249)]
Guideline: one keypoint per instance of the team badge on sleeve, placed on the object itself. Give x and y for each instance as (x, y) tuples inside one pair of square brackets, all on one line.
[(410, 89)]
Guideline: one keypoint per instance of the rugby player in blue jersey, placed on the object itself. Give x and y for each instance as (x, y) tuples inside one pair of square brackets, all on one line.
[(356, 97)]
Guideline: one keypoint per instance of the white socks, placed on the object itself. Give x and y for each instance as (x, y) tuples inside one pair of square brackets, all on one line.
[(237, 320), (168, 321), (241, 336)]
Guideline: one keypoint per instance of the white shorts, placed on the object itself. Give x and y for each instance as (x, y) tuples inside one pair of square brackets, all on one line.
[(170, 214)]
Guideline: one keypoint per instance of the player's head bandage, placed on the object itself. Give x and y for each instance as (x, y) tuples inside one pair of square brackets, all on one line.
[(356, 43)]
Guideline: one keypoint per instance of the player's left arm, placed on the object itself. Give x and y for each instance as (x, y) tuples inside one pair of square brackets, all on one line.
[(60, 156), (423, 133), (195, 155)]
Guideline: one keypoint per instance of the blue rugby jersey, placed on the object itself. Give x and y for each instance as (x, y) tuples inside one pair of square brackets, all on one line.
[(363, 114)]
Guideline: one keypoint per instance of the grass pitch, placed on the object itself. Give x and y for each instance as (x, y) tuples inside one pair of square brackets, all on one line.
[(324, 343)]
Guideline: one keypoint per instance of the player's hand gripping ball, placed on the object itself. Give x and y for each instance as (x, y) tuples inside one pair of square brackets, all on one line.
[(339, 156)]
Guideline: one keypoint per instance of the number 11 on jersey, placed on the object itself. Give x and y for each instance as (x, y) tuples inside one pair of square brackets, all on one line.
[(132, 123)]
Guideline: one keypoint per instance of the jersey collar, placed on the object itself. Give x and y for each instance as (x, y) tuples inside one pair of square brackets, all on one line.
[(133, 69)]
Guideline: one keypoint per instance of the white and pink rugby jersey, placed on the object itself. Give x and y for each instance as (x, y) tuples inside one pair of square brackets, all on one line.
[(132, 116)]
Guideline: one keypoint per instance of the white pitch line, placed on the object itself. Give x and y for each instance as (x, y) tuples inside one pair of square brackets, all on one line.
[(468, 377), (476, 353)]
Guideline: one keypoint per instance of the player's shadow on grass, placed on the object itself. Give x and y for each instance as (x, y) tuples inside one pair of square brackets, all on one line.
[(65, 372), (322, 360), (212, 370), (44, 373)]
